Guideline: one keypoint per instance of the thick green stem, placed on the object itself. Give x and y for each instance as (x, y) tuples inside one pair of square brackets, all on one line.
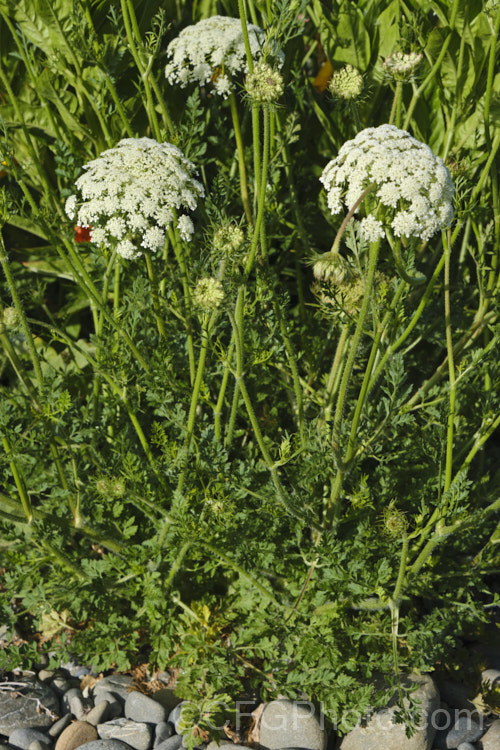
[(22, 315), (335, 372), (241, 157), (181, 260), (17, 473), (154, 294), (332, 508), (129, 19), (451, 366), (280, 491), (194, 400)]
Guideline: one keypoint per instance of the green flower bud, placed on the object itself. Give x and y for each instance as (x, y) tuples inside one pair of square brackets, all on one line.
[(228, 238), (10, 317), (346, 83), (208, 294), (332, 268), (264, 84)]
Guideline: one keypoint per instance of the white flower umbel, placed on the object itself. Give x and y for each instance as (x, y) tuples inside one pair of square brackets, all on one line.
[(413, 186), (213, 51), (129, 196), (401, 66)]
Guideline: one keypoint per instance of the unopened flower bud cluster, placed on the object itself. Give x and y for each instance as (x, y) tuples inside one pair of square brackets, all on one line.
[(228, 239), (213, 50), (346, 83), (401, 66), (413, 186), (332, 268), (208, 294), (264, 84), (130, 195)]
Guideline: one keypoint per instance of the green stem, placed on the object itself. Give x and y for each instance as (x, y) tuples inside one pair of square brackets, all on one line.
[(432, 73), (256, 427), (222, 393), (17, 473), (130, 20), (194, 399), (335, 372), (22, 315), (241, 157), (332, 509), (246, 40), (154, 294), (451, 366), (181, 260)]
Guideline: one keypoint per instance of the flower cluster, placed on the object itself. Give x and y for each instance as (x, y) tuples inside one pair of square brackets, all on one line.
[(129, 196), (401, 66), (208, 293), (228, 239), (264, 84), (213, 50), (346, 83), (413, 186)]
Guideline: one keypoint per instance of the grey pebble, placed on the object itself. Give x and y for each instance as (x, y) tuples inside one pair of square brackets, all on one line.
[(73, 702), (30, 703), (61, 724), (115, 703), (136, 734), (140, 707), (119, 685), (61, 685), (22, 738), (163, 730), (99, 713), (466, 746), (173, 743), (38, 745), (491, 740), (105, 745), (463, 730), (167, 698)]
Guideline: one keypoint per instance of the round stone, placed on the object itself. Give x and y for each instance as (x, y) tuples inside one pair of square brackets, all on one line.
[(23, 737), (106, 745), (140, 707), (491, 740), (99, 713), (78, 733), (163, 730), (56, 728), (28, 703), (285, 723), (136, 734), (74, 703)]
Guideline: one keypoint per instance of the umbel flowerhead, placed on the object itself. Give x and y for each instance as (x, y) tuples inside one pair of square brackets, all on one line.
[(346, 83), (402, 66), (264, 84), (132, 193), (412, 185), (213, 50)]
